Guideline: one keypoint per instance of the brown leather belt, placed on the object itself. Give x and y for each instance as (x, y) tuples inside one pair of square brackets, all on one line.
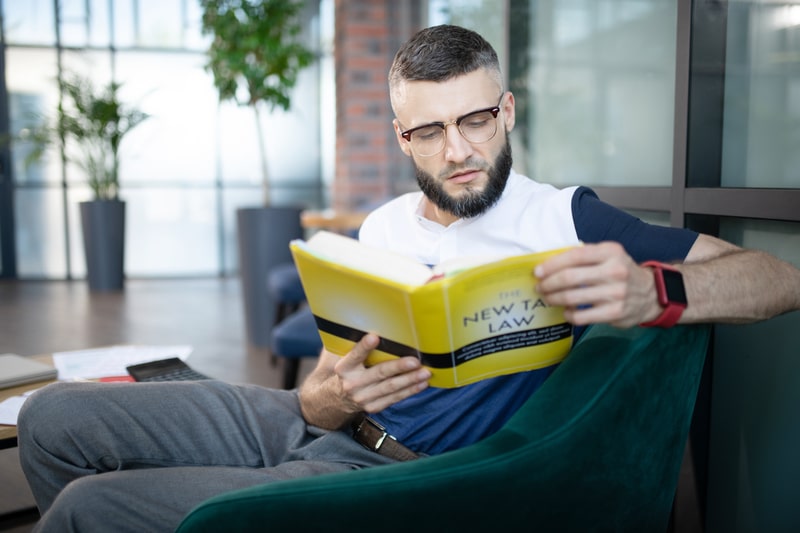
[(373, 437)]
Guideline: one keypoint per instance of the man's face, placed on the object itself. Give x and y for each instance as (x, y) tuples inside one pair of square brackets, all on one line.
[(464, 178)]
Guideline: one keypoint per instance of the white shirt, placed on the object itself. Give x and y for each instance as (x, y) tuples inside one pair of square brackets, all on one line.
[(530, 217)]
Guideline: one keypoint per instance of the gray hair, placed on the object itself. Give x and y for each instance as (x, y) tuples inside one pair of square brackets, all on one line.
[(440, 53)]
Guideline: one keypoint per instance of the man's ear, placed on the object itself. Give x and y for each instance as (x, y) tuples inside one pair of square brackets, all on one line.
[(509, 112), (404, 145)]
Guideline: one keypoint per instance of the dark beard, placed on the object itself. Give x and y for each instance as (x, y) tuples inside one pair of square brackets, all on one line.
[(471, 203)]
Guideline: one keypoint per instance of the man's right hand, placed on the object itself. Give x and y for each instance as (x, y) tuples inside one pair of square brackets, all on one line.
[(372, 389), (340, 387)]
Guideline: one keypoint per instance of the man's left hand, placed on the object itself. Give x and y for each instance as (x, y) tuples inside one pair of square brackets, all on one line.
[(599, 283)]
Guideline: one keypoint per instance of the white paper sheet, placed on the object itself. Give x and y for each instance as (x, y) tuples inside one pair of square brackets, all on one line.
[(9, 408), (110, 362)]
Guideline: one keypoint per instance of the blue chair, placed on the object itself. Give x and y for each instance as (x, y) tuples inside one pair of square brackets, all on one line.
[(283, 284), (294, 333)]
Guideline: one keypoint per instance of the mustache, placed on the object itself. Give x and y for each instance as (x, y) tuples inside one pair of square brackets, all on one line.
[(469, 165)]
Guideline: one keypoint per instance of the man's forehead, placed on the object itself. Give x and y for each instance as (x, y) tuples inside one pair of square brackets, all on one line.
[(418, 102)]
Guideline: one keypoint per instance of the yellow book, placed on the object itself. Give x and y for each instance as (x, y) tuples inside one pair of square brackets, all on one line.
[(466, 320)]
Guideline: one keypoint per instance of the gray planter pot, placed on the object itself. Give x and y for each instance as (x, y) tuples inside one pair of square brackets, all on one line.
[(264, 234), (103, 224)]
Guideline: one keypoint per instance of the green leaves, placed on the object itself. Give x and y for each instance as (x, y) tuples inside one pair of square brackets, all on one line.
[(255, 56), (90, 124)]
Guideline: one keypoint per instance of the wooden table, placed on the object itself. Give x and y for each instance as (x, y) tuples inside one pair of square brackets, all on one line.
[(8, 434), (331, 220)]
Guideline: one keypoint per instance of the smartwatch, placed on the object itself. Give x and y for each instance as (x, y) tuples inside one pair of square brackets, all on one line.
[(671, 294)]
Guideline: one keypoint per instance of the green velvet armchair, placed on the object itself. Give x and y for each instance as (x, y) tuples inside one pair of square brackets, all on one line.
[(597, 448)]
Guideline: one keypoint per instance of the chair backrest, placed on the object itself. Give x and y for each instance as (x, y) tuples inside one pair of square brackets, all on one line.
[(597, 448)]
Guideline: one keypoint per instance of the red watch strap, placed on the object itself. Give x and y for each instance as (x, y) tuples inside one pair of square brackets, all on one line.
[(672, 310), (668, 317)]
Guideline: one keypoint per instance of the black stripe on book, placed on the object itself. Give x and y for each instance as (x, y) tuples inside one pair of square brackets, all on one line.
[(483, 347)]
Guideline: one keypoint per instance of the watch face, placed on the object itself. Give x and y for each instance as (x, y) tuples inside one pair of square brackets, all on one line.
[(673, 285)]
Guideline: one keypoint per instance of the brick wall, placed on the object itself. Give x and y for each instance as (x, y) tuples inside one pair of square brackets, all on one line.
[(370, 167)]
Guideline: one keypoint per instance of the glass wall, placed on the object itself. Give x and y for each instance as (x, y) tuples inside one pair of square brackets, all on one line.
[(684, 113), (754, 468), (186, 169), (600, 88), (762, 96)]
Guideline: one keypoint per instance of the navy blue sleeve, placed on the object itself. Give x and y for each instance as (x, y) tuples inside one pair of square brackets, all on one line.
[(596, 221)]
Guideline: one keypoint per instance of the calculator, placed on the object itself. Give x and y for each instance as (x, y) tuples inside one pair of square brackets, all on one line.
[(172, 369)]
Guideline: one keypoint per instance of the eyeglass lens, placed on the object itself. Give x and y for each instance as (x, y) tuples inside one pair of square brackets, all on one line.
[(477, 127)]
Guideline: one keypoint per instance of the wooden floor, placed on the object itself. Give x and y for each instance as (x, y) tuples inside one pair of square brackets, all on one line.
[(44, 317), (41, 317)]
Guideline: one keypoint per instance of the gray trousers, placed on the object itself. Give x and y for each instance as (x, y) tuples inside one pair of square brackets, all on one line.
[(138, 457)]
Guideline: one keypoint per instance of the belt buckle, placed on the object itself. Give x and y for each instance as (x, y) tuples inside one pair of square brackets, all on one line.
[(377, 446)]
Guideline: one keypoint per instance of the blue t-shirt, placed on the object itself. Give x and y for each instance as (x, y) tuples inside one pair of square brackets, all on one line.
[(437, 420)]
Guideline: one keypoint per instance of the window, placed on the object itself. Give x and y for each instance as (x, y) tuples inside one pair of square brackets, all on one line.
[(182, 170)]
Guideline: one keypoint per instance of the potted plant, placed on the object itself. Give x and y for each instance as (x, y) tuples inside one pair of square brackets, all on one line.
[(89, 126), (255, 57)]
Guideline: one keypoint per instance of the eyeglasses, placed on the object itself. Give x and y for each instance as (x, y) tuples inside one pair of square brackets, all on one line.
[(476, 127)]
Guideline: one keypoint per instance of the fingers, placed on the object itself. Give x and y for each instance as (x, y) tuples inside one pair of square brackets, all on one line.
[(579, 256), (595, 283), (374, 388), (565, 278), (381, 394)]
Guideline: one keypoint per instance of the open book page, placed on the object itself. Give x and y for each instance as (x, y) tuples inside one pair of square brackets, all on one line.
[(356, 255), (382, 263), (454, 266)]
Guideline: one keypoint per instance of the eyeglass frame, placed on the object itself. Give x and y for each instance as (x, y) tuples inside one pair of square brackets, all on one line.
[(494, 110)]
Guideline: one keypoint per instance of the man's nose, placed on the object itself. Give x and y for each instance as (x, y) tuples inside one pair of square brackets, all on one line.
[(456, 148)]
